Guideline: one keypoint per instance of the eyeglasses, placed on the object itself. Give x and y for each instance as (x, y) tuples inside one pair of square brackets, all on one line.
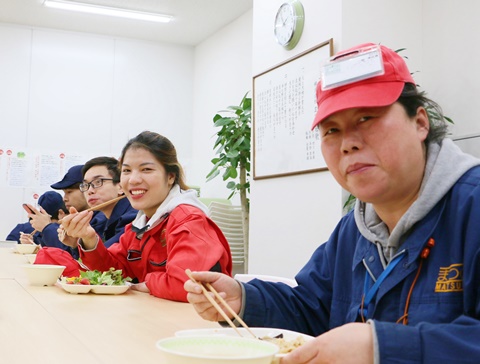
[(96, 183)]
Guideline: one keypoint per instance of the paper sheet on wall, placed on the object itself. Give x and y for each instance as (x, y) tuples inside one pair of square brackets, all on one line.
[(284, 108), (35, 170)]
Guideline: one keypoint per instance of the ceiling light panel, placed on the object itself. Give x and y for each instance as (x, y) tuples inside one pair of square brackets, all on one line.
[(106, 10)]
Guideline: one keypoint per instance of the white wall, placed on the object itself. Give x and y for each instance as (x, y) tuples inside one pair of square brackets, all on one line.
[(82, 94), (396, 24), (450, 71), (14, 91), (440, 37), (96, 92), (291, 216), (223, 74)]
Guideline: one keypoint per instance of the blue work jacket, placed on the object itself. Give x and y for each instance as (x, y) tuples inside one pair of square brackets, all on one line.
[(24, 227), (444, 311), (123, 214), (49, 235)]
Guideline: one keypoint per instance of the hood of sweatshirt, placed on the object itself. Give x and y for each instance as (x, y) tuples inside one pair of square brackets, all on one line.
[(175, 197), (438, 179)]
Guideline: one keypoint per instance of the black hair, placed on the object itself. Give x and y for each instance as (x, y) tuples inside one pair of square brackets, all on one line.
[(75, 186), (109, 162), (163, 150), (54, 216), (411, 99)]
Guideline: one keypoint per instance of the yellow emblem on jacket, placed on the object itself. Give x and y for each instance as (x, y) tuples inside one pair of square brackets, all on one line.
[(450, 279)]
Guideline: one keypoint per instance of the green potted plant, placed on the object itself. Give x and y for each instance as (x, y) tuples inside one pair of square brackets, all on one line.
[(232, 148)]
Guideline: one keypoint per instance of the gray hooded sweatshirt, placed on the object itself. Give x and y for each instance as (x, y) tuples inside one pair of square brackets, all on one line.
[(446, 163)]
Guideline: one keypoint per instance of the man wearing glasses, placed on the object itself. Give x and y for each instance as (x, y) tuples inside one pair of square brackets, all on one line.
[(72, 197), (101, 177)]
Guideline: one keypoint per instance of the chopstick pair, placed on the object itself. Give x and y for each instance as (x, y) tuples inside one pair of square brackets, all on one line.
[(217, 306), (61, 235), (98, 207), (31, 235)]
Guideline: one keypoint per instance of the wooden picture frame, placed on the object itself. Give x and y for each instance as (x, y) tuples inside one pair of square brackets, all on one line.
[(284, 106)]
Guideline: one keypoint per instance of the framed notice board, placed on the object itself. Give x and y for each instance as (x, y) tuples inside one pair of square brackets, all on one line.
[(284, 106)]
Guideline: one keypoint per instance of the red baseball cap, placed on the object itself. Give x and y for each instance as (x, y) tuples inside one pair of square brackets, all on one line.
[(381, 90)]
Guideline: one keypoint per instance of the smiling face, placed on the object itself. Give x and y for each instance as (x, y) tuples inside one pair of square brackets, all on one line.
[(104, 193), (377, 154), (144, 180)]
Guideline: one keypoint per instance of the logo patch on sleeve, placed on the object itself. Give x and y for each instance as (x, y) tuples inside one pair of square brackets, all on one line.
[(450, 279)]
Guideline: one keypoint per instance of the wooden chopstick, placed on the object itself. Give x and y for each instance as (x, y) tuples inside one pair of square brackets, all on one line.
[(223, 302), (98, 207)]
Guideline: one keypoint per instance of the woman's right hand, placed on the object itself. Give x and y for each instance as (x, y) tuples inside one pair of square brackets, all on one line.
[(227, 287), (77, 225)]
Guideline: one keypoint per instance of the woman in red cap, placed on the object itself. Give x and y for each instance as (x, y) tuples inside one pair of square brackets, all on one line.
[(397, 281)]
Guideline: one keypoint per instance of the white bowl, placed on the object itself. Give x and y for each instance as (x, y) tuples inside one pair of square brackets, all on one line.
[(26, 248), (30, 257), (216, 350), (291, 339), (43, 274)]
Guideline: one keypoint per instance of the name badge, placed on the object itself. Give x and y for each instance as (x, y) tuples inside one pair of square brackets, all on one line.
[(351, 67)]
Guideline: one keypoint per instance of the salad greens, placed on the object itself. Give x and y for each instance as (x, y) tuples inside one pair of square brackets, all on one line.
[(112, 277)]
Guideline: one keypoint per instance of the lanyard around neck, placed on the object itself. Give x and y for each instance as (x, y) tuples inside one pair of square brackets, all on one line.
[(370, 293)]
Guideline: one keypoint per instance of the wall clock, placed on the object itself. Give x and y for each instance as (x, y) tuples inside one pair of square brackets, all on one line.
[(289, 24)]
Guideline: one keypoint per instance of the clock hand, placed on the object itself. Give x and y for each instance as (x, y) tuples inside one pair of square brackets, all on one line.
[(284, 19)]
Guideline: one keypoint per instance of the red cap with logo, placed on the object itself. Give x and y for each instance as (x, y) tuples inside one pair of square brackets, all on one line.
[(381, 90)]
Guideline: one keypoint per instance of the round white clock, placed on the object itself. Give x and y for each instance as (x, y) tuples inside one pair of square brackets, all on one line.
[(289, 24)]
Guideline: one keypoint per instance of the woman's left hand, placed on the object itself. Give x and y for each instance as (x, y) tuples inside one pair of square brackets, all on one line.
[(142, 287)]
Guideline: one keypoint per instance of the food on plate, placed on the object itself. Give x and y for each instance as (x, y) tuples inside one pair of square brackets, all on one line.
[(112, 277), (286, 346)]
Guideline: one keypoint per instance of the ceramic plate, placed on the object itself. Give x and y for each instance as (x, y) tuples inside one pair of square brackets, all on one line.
[(288, 336), (97, 289), (75, 288), (109, 289)]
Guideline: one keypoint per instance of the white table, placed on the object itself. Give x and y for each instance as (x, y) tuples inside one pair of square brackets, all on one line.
[(49, 325)]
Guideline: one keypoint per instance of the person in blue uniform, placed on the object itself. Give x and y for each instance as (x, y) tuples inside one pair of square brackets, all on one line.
[(398, 279), (23, 227), (72, 197), (101, 183), (52, 203)]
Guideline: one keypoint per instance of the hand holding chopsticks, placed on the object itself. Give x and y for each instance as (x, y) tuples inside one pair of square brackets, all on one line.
[(76, 226), (27, 238), (204, 287), (102, 205)]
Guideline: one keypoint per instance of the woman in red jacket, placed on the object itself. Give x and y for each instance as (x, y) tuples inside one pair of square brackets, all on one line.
[(171, 231)]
